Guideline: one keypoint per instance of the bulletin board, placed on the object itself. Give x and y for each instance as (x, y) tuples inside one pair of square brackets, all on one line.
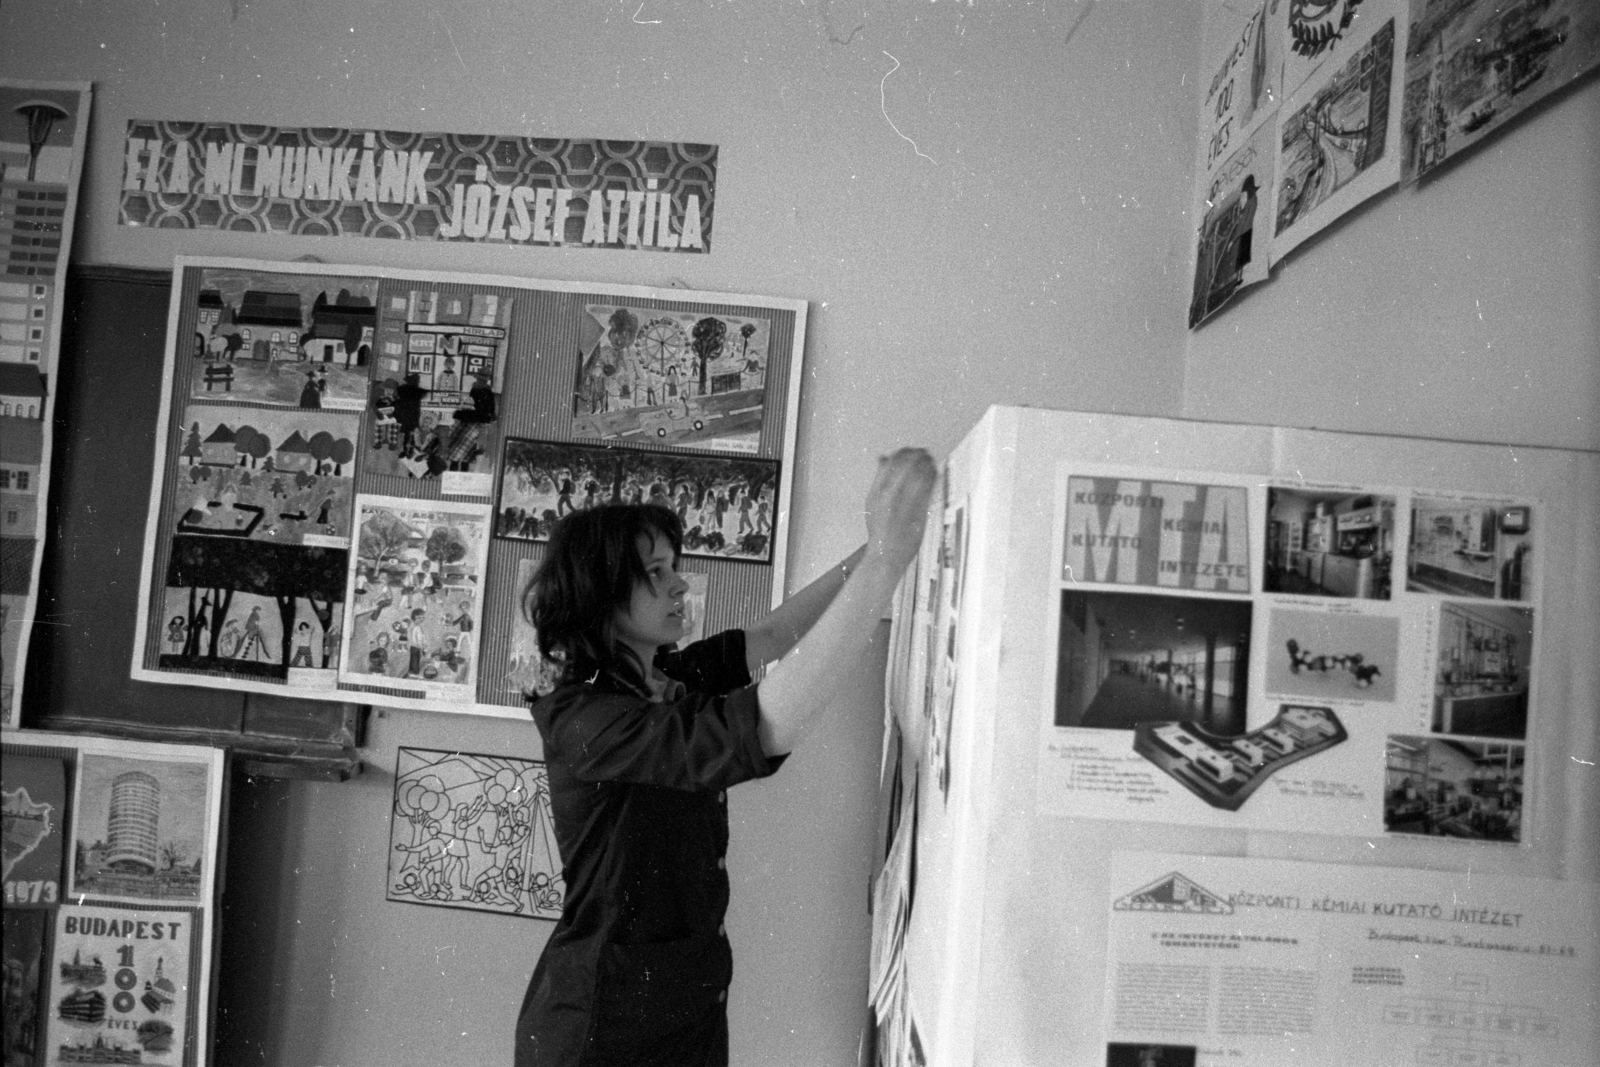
[(356, 469)]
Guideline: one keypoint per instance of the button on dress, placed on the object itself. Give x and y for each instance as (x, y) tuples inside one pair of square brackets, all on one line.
[(637, 968)]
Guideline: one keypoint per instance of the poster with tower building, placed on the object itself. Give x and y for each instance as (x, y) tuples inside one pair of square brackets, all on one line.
[(42, 129), (144, 823)]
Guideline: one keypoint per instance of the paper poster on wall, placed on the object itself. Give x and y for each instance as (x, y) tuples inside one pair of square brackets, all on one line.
[(1339, 127), (124, 986), (1246, 653), (144, 824), (725, 503), (475, 832), (1473, 67), (690, 379), (1263, 962), (334, 182), (1233, 249), (34, 794), (42, 132), (415, 600), (292, 390)]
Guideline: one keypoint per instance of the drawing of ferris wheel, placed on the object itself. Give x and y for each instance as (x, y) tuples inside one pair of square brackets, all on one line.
[(661, 342)]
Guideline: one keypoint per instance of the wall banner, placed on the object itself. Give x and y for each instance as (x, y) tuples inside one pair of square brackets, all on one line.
[(331, 182)]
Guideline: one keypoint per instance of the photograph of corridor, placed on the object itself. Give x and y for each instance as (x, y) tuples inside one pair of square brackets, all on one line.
[(1127, 658)]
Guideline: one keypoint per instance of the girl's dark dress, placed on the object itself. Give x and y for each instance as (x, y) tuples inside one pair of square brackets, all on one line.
[(636, 971)]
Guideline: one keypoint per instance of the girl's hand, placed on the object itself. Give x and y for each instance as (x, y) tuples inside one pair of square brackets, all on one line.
[(897, 505)]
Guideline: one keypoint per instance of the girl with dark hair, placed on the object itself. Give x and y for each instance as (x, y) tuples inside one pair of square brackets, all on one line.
[(642, 741)]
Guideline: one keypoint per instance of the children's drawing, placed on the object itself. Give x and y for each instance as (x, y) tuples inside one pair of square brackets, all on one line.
[(1473, 67), (139, 828), (671, 378), (1234, 245), (266, 475), (1332, 131), (725, 504), (473, 831), (434, 397), (234, 606), (290, 340), (416, 596)]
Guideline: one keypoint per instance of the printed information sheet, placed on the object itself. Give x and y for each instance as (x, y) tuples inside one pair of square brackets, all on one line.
[(1217, 960), (1266, 654)]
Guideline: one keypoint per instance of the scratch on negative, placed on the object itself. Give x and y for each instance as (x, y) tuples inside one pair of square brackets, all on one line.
[(883, 105), (452, 37), (1585, 762), (1079, 22), (644, 22)]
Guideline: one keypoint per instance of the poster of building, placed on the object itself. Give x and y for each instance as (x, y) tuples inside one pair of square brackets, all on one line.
[(570, 192), (291, 390), (473, 831), (1249, 653), (42, 131), (1218, 960), (144, 823), (1471, 68), (124, 986)]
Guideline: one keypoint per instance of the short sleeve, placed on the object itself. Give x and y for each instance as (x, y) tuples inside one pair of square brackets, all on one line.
[(701, 741), (715, 665)]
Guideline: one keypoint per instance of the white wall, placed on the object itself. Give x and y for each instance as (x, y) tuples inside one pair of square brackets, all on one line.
[(1028, 249), (1467, 307)]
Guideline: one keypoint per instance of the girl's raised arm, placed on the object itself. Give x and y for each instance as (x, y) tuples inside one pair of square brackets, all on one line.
[(818, 656)]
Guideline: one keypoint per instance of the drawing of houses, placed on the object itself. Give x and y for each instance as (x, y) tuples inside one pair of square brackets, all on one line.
[(341, 332), (21, 391), (218, 450), (270, 324), (294, 455), (21, 447)]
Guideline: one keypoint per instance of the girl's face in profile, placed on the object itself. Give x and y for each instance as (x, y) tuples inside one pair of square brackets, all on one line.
[(656, 614)]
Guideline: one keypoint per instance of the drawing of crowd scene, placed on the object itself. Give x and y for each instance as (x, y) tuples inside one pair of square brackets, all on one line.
[(414, 612), (670, 377), (726, 504), (281, 476), (472, 831)]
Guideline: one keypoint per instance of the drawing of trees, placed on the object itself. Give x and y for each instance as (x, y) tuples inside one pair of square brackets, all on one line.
[(251, 444), (214, 569), (191, 445), (707, 339)]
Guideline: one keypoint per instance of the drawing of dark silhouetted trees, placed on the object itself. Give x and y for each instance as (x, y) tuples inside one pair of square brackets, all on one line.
[(191, 445), (747, 331), (707, 339), (446, 545), (251, 444), (213, 569)]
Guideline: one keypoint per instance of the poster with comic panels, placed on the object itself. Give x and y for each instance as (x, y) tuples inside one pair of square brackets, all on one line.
[(292, 390), (1262, 654), (475, 832), (124, 986)]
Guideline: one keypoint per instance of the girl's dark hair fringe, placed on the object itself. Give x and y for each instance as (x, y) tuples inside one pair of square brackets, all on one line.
[(588, 574)]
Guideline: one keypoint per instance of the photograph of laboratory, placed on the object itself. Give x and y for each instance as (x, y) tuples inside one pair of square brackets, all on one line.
[(1329, 544), (1470, 549), (1443, 788), (1127, 658), (1481, 686)]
